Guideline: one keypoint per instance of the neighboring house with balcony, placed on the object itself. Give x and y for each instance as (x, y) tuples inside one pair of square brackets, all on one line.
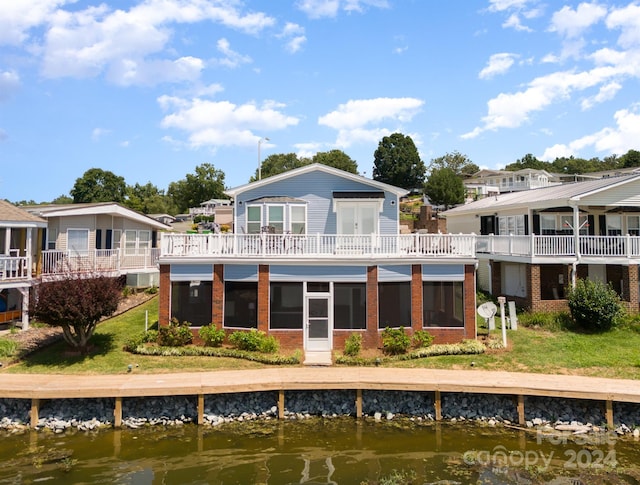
[(533, 244), (101, 238), (20, 232), (512, 181), (316, 255)]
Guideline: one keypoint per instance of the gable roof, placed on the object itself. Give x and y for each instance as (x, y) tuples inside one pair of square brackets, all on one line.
[(557, 195), (13, 216), (316, 167), (97, 208)]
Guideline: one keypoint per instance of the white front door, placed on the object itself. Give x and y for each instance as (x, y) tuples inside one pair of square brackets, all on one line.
[(318, 323)]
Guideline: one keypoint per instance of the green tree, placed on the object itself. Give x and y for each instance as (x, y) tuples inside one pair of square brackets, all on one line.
[(630, 159), (528, 161), (456, 161), (337, 159), (148, 199), (76, 305), (444, 187), (396, 161), (206, 183), (97, 185), (62, 199), (279, 163)]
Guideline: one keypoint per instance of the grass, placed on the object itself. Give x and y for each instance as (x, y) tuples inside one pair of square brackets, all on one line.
[(108, 357), (548, 350)]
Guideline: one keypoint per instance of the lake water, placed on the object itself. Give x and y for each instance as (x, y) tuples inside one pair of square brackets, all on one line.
[(317, 451)]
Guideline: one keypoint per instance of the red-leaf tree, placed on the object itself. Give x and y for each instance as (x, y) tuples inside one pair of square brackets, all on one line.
[(76, 305)]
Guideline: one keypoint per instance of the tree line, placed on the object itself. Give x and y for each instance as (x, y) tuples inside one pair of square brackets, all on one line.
[(396, 161)]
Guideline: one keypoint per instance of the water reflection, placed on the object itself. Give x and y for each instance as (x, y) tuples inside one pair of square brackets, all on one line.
[(338, 451)]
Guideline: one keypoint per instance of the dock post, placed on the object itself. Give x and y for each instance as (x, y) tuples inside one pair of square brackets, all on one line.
[(281, 404), (35, 409), (358, 403), (437, 404), (200, 409), (609, 413), (521, 419), (117, 413)]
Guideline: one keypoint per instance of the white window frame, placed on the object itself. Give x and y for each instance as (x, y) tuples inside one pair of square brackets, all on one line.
[(52, 237), (75, 251), (292, 220), (279, 225), (633, 225), (376, 204), (116, 237), (136, 246), (248, 222), (614, 223)]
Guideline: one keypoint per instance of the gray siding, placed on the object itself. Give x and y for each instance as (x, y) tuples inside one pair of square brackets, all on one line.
[(191, 272), (317, 189)]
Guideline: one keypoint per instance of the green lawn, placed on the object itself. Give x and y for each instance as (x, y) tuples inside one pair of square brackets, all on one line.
[(612, 354)]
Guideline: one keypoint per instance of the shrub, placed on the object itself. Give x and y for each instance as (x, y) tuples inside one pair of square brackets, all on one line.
[(395, 341), (594, 306), (353, 345), (152, 290), (176, 334), (212, 336), (422, 339), (7, 348), (254, 341), (140, 339)]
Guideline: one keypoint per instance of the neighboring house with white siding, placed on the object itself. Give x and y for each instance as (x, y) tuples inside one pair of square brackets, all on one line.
[(316, 255), (533, 244), (101, 238)]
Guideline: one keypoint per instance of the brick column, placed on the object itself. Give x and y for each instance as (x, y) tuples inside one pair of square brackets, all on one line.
[(533, 290), (416, 297), (370, 338), (469, 301), (217, 298), (164, 295), (634, 296), (263, 297)]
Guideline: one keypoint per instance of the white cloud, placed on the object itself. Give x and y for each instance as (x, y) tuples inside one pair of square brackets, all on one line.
[(231, 58), (98, 133), (498, 64), (502, 5), (627, 19), (87, 42), (294, 36), (572, 23), (3, 135), (216, 123), (513, 22), (606, 92), (353, 119), (513, 109), (9, 84), (610, 140), (17, 17), (316, 9)]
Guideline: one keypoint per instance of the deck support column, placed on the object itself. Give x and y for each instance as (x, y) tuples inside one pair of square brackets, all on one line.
[(200, 409), (358, 403), (437, 404), (521, 418), (609, 413), (35, 408), (117, 413), (281, 404)]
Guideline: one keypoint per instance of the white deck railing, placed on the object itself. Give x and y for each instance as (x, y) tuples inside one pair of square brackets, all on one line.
[(98, 261), (316, 245), (13, 268), (561, 245)]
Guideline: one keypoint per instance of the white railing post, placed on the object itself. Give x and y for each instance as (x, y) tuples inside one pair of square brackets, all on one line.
[(532, 244), (318, 243), (628, 245)]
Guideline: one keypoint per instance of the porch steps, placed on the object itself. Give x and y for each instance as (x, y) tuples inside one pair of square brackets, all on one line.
[(318, 358)]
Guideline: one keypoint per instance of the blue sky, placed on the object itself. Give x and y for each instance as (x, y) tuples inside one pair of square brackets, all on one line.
[(150, 89)]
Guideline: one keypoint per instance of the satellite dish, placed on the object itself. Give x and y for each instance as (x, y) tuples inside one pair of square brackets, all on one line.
[(487, 310)]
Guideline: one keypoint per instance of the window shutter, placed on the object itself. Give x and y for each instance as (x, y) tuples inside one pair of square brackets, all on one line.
[(602, 222), (98, 238), (109, 240), (536, 224)]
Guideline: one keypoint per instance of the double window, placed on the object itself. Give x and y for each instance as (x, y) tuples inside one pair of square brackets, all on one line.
[(78, 241), (136, 242), (283, 218)]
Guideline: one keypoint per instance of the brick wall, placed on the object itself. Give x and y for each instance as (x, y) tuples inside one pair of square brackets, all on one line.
[(370, 338), (416, 297), (263, 298)]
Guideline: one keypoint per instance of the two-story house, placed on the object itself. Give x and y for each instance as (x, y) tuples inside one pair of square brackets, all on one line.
[(533, 244), (316, 255)]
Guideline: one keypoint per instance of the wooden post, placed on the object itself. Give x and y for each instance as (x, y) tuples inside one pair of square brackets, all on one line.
[(117, 413), (281, 404), (521, 419), (200, 409), (609, 413), (437, 404), (35, 408), (358, 403)]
